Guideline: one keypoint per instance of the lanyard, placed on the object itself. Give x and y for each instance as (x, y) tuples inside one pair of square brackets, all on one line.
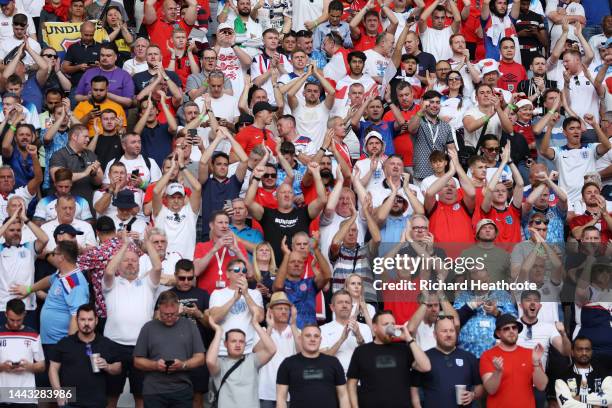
[(435, 134), (220, 261)]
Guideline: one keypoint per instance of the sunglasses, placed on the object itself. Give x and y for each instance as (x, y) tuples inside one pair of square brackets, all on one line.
[(19, 25), (454, 79), (509, 328), (540, 222), (492, 149), (576, 81), (50, 56), (184, 278), (239, 270), (269, 175)]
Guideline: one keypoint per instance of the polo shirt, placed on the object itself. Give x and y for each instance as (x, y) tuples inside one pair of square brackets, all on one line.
[(77, 162), (129, 305), (84, 107), (214, 194), (17, 268), (119, 82), (251, 136), (429, 137), (447, 370), (63, 299), (75, 370), (285, 347), (79, 53), (247, 233)]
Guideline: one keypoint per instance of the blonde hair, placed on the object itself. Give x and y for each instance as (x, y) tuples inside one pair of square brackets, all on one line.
[(271, 266), (348, 280)]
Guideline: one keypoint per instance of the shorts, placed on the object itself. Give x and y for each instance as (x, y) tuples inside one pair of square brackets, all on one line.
[(116, 383)]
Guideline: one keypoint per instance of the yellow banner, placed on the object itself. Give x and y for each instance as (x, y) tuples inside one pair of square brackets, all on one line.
[(61, 35)]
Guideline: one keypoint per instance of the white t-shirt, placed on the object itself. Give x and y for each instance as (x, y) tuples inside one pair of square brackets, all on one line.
[(450, 107), (380, 193), (168, 264), (425, 336), (181, 229), (17, 346), (311, 121), (17, 268), (111, 210), (8, 44), (148, 176), (6, 25), (260, 66), (87, 239), (572, 165), (541, 333), (341, 103), (572, 9), (129, 305), (331, 333), (493, 127), (436, 42), (133, 67), (376, 64), (229, 64), (225, 107), (305, 11), (285, 347), (377, 175), (583, 97), (329, 227), (239, 316)]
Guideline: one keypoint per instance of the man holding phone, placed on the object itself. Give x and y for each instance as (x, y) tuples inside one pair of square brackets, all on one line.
[(90, 110)]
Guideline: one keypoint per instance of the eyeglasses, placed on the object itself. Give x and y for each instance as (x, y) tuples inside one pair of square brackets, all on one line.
[(443, 316), (184, 278), (50, 56), (540, 221), (226, 31), (492, 149), (269, 175), (454, 79), (399, 200), (508, 328)]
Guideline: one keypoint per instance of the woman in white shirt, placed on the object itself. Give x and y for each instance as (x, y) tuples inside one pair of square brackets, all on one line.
[(354, 286), (454, 105)]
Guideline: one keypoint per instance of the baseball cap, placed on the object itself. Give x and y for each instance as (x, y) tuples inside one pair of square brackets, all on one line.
[(504, 320), (105, 224), (66, 229), (483, 222), (222, 26), (372, 134), (174, 188), (488, 65), (262, 106)]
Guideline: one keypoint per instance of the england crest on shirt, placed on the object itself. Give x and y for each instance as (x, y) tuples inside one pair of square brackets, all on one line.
[(459, 362)]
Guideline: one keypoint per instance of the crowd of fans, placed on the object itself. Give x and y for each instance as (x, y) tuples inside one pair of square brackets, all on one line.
[(227, 203)]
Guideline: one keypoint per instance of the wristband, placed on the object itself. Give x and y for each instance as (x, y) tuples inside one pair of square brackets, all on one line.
[(552, 111), (420, 114), (512, 106), (322, 149), (256, 178), (410, 342), (203, 117), (510, 162), (182, 168), (29, 290), (13, 128), (486, 118)]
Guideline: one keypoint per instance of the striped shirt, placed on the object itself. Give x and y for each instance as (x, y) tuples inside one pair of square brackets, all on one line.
[(354, 260)]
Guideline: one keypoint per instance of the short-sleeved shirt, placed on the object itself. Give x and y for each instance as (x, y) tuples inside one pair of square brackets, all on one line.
[(17, 345), (277, 225), (516, 386), (207, 280), (79, 53), (45, 209), (451, 222), (386, 129), (302, 293), (573, 164), (507, 221), (429, 137), (332, 332), (241, 389), (512, 74), (180, 228), (17, 268), (156, 143), (214, 194), (160, 31), (384, 374), (251, 136), (312, 381), (84, 107), (65, 296), (119, 82), (158, 341), (601, 225), (143, 79), (447, 370), (75, 369)]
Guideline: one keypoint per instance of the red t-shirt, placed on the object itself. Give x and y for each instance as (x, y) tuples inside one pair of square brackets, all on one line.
[(250, 136), (209, 277), (602, 225), (512, 74), (451, 222), (161, 31), (182, 67), (516, 386), (526, 130), (402, 303), (366, 42), (508, 223), (403, 142), (266, 198)]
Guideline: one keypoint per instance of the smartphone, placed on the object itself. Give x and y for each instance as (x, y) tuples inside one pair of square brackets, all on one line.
[(92, 62), (96, 108), (15, 364), (190, 304), (168, 362), (135, 173), (192, 135), (228, 203)]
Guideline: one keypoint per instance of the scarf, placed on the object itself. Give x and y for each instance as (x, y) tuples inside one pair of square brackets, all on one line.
[(60, 11)]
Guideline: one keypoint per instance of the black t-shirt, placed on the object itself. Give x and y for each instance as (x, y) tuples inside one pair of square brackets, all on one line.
[(383, 371), (200, 298), (276, 225), (108, 148), (526, 21), (312, 381), (75, 370)]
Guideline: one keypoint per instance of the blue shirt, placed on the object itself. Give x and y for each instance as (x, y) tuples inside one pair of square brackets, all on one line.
[(156, 143), (214, 193), (302, 294), (385, 128), (476, 335), (65, 296), (447, 370), (59, 140), (323, 29), (556, 224), (248, 234), (392, 231), (298, 175), (23, 168)]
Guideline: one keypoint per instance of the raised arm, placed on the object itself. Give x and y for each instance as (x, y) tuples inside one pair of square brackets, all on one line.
[(255, 209), (316, 206), (160, 188), (113, 265)]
